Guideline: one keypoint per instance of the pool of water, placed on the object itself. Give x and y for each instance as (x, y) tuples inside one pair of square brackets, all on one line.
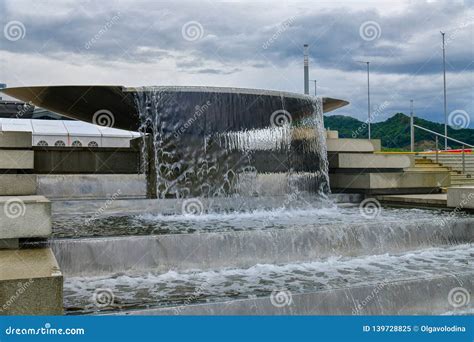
[(138, 290)]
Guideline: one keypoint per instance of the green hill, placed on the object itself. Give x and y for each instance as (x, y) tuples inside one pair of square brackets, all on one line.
[(395, 131)]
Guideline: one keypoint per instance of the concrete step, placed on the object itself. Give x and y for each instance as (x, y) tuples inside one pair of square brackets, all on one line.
[(33, 282), (466, 182), (389, 182), (17, 140), (428, 165), (461, 197), (461, 176), (24, 217), (427, 169), (368, 161), (16, 159), (423, 161), (353, 145)]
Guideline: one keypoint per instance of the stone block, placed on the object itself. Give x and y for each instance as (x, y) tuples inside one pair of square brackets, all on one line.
[(31, 283), (17, 184), (353, 145), (461, 197), (390, 182), (16, 159), (24, 217), (91, 186), (369, 161), (15, 139)]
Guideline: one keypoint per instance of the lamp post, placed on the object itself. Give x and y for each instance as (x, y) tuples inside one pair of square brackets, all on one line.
[(412, 129), (444, 89), (315, 92), (368, 93)]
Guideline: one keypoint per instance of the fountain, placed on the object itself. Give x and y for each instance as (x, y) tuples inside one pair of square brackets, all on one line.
[(245, 223)]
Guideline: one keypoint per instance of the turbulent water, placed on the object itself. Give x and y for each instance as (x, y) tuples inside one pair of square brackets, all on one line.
[(302, 214), (213, 149), (149, 289)]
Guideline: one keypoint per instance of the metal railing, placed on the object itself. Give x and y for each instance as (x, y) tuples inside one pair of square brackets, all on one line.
[(463, 159)]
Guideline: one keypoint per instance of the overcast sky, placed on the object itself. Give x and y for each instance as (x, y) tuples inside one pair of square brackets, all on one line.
[(254, 44)]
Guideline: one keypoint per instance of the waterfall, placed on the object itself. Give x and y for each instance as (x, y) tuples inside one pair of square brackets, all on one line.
[(217, 148)]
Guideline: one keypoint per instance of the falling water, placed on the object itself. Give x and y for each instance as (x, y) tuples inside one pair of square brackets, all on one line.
[(195, 154)]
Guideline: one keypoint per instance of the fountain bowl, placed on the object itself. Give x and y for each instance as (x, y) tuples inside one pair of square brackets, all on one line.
[(224, 108)]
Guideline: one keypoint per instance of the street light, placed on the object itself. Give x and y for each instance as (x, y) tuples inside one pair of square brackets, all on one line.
[(315, 92), (444, 89), (368, 93), (412, 128)]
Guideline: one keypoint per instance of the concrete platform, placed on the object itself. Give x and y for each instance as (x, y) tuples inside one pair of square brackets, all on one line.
[(353, 145), (429, 200), (369, 161), (461, 197), (24, 216), (17, 184), (389, 182), (70, 187), (56, 160), (15, 139), (30, 283), (16, 159)]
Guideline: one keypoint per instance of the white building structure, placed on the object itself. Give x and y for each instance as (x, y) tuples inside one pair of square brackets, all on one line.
[(68, 133)]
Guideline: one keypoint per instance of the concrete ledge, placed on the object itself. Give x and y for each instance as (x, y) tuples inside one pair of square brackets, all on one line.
[(30, 283), (55, 160), (9, 244), (17, 184), (369, 161), (367, 182), (24, 216), (461, 197), (16, 159), (15, 140), (430, 200), (91, 186), (353, 145)]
